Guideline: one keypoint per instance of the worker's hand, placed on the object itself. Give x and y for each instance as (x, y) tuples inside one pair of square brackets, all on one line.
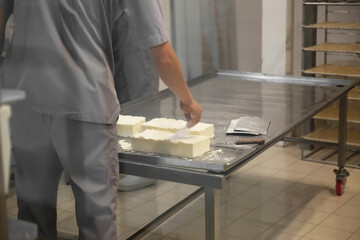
[(192, 112)]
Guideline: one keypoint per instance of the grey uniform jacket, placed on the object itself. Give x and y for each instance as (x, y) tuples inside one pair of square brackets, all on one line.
[(62, 52), (135, 72)]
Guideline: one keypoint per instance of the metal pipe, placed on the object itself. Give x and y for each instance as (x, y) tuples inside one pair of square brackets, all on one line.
[(342, 130)]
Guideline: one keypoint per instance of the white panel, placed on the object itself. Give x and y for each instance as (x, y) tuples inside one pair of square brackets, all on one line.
[(248, 33), (274, 37)]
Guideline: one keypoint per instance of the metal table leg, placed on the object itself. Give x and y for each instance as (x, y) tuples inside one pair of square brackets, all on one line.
[(342, 173), (212, 216)]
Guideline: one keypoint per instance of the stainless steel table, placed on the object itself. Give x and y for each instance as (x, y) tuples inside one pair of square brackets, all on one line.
[(285, 100)]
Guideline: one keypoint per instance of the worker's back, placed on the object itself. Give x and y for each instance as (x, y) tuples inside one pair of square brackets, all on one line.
[(63, 49)]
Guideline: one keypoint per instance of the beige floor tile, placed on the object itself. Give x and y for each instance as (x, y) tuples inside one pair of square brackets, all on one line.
[(308, 215), (352, 185), (262, 172), (127, 234), (326, 171), (322, 205), (197, 205), (324, 182), (11, 202), (341, 223), (275, 208), (133, 219), (279, 162), (310, 190), (329, 194), (265, 219), (64, 199), (272, 151), (274, 234), (120, 211), (355, 200), (246, 178), (67, 206), (262, 192), (169, 238), (169, 198), (200, 222), (151, 208), (168, 227), (232, 188), (152, 236), (122, 229), (12, 212), (303, 167), (322, 233), (184, 189), (188, 232), (245, 228), (289, 176), (145, 193), (129, 202), (354, 174), (355, 236), (227, 237), (62, 215), (243, 201), (69, 224), (67, 232), (293, 227), (291, 198), (185, 215), (275, 184), (349, 211), (231, 212), (65, 190)]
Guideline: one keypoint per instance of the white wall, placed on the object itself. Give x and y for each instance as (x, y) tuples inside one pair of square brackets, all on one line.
[(274, 36), (249, 35)]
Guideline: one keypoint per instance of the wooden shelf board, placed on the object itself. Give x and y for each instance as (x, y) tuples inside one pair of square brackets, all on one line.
[(335, 25), (333, 114), (335, 70), (333, 2), (335, 47), (330, 134), (354, 93)]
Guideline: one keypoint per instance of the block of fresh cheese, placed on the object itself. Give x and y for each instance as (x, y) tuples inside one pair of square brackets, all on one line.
[(173, 125), (158, 141), (128, 125)]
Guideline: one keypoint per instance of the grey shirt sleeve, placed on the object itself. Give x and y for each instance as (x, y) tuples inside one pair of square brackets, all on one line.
[(146, 23)]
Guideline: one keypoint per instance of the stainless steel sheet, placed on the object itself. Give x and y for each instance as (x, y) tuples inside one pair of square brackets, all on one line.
[(285, 100)]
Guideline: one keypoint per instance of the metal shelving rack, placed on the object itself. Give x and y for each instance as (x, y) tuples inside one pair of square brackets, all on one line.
[(321, 34)]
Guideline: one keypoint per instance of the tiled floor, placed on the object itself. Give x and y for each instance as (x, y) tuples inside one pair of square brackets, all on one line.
[(275, 196)]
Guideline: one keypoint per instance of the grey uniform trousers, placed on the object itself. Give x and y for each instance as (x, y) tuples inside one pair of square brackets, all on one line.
[(44, 146)]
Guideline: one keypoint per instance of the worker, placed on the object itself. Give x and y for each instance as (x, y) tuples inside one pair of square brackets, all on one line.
[(135, 72), (61, 55)]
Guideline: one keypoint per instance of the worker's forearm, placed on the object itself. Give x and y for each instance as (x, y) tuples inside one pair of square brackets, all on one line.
[(168, 66), (169, 69)]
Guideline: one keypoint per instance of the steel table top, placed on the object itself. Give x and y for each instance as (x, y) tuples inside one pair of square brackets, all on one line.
[(287, 101)]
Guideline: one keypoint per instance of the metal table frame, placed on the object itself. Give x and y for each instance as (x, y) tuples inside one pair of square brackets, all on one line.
[(210, 181)]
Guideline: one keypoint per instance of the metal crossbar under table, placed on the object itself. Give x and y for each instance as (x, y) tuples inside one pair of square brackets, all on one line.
[(286, 101)]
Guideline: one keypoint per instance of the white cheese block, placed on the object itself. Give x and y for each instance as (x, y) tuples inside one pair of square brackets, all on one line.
[(173, 125), (160, 142), (128, 125)]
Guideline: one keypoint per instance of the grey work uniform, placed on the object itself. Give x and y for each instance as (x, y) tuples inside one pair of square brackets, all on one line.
[(61, 54), (135, 72)]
